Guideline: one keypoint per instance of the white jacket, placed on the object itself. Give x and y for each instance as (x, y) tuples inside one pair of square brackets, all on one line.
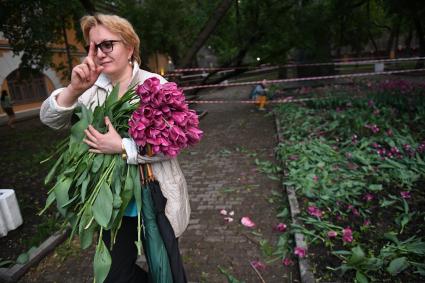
[(166, 170)]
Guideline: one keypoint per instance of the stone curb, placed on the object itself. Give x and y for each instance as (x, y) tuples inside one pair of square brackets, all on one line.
[(13, 273), (306, 273)]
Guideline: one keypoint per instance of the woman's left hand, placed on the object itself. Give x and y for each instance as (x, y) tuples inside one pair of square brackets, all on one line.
[(108, 143)]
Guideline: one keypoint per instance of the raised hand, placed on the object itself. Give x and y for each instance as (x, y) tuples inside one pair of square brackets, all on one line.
[(85, 74)]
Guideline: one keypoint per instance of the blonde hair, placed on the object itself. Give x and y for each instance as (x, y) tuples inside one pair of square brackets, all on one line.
[(115, 24)]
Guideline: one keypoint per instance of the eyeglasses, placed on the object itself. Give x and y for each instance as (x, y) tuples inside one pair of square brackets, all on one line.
[(107, 46)]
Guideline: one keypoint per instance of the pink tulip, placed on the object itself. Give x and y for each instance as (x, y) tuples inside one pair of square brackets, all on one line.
[(280, 227), (405, 194), (314, 211), (300, 252), (347, 235), (258, 265), (368, 197)]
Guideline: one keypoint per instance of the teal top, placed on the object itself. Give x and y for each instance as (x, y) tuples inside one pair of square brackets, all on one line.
[(131, 209)]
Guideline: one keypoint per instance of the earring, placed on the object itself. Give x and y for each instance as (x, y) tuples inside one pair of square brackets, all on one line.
[(130, 61)]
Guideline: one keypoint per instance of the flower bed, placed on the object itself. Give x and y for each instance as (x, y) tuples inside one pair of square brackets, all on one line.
[(358, 168)]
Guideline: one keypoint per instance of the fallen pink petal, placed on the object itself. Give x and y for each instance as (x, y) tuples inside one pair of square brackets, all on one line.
[(247, 222), (228, 219), (223, 212)]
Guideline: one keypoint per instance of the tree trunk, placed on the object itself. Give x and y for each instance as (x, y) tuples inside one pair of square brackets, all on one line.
[(68, 51), (368, 29), (421, 38), (408, 41), (205, 33), (394, 33)]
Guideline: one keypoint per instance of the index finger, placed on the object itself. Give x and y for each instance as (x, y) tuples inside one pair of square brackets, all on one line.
[(91, 50)]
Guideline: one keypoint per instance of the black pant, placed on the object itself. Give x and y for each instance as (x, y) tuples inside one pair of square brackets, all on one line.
[(124, 254)]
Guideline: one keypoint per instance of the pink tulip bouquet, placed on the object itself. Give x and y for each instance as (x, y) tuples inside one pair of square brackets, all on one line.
[(163, 119)]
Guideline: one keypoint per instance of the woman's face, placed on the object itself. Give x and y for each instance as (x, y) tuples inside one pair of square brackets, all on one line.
[(114, 61)]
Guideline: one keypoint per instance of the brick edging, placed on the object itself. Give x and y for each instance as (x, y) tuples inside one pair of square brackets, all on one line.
[(13, 273), (306, 273)]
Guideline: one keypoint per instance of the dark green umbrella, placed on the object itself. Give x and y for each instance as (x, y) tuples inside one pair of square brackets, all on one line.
[(156, 254), (166, 230)]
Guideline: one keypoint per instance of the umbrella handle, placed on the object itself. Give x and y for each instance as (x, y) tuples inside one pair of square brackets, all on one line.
[(142, 174), (150, 172)]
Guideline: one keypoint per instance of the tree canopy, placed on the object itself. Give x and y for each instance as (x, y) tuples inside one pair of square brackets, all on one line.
[(270, 30)]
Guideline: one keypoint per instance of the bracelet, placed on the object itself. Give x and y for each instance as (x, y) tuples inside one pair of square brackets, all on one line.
[(123, 152)]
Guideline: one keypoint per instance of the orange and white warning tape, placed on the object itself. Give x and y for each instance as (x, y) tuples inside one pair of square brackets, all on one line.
[(352, 62), (303, 79), (277, 101)]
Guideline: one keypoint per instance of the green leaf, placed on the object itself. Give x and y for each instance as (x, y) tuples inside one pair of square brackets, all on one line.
[(392, 236), (357, 255), (112, 97), (50, 199), (5, 263), (102, 207), (97, 163), (61, 194), (117, 201), (98, 118), (284, 213), (70, 201), (375, 188), (128, 186), (23, 258), (83, 176), (84, 188), (31, 250), (404, 220), (86, 233), (386, 203), (102, 262), (342, 252), (52, 171), (230, 278), (77, 131), (397, 265), (137, 188), (361, 278), (266, 248)]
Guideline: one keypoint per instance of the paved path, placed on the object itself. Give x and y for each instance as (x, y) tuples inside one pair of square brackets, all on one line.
[(221, 174)]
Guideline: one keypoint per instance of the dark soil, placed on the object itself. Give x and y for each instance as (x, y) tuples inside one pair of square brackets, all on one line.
[(22, 148)]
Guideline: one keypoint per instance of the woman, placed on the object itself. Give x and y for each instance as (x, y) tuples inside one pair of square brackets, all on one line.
[(6, 105), (113, 58)]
